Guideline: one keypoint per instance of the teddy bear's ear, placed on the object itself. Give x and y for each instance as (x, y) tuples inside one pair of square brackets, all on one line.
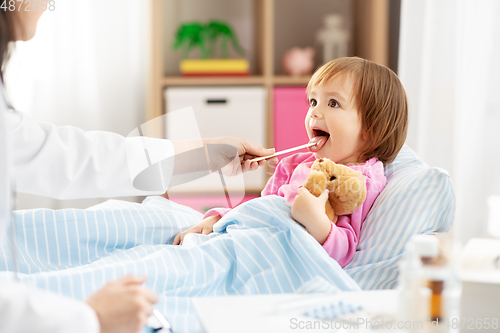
[(317, 165), (329, 167), (315, 182)]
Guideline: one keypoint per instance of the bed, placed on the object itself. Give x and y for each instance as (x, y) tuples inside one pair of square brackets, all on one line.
[(255, 249)]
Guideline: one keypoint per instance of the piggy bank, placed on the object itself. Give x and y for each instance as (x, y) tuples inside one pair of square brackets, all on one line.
[(297, 61)]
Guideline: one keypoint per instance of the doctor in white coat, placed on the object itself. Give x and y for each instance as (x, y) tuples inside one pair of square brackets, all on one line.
[(65, 162)]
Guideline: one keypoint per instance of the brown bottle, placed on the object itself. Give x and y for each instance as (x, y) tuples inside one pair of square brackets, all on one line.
[(428, 248)]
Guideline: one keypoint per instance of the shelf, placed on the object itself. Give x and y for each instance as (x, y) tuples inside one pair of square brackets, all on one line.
[(291, 80), (267, 29), (211, 81), (289, 33), (243, 81)]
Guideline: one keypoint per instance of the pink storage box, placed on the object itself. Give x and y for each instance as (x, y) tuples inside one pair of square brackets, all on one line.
[(203, 203), (290, 109)]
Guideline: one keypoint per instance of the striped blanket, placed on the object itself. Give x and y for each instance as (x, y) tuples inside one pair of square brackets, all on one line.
[(257, 248)]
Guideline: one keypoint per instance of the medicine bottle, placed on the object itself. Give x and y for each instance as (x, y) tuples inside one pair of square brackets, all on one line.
[(413, 296), (433, 273), (428, 285)]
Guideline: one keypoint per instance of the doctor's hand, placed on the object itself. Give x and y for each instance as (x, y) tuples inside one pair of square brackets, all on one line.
[(205, 227), (123, 305), (246, 151)]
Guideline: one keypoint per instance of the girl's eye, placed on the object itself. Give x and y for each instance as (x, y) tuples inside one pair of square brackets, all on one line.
[(312, 102), (333, 104)]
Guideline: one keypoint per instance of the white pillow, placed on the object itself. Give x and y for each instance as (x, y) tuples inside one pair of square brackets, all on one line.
[(418, 199)]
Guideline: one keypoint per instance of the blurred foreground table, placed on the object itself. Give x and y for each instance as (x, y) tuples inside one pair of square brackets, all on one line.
[(260, 313)]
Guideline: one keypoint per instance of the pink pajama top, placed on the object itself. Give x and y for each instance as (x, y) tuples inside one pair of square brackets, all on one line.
[(343, 239)]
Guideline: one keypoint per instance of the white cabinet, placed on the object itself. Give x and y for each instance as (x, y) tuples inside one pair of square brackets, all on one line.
[(205, 112)]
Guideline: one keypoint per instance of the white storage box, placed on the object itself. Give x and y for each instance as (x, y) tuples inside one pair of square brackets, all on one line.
[(218, 111)]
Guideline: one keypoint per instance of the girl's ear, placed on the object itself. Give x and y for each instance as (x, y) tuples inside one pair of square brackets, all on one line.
[(365, 136)]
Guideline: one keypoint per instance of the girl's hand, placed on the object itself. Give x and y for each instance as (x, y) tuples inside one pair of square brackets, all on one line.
[(309, 211), (205, 227)]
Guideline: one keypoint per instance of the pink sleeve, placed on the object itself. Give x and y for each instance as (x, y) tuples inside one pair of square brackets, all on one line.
[(280, 176), (343, 239), (216, 211)]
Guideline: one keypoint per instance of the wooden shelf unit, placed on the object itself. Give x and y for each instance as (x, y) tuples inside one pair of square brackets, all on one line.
[(370, 40), (212, 81)]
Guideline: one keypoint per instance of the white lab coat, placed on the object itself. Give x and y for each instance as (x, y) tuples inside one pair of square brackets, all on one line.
[(60, 162)]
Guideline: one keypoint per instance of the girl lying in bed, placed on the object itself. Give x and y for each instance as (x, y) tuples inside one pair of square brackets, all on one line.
[(358, 116)]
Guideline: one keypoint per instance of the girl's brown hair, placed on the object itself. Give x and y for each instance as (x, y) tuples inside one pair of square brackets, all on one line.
[(380, 99), (6, 36)]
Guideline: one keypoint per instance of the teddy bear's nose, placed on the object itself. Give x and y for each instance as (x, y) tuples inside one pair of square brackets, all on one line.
[(333, 178)]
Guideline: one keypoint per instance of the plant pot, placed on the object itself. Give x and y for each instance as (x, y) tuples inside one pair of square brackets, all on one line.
[(214, 67)]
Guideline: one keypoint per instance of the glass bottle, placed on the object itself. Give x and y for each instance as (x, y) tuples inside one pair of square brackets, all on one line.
[(428, 290)]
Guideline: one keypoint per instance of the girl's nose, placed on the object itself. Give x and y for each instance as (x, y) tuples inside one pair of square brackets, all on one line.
[(316, 114)]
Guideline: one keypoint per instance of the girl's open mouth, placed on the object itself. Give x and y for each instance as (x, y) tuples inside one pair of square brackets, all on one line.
[(320, 138)]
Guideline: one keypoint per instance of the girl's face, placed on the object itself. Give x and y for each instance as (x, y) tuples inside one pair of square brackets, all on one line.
[(333, 121)]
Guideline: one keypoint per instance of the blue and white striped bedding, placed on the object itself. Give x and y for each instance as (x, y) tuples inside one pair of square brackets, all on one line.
[(74, 251), (255, 249), (418, 199)]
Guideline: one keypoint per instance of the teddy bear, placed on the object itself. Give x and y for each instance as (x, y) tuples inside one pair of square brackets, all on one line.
[(347, 187)]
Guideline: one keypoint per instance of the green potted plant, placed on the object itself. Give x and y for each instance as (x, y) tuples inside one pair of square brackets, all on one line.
[(206, 38)]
